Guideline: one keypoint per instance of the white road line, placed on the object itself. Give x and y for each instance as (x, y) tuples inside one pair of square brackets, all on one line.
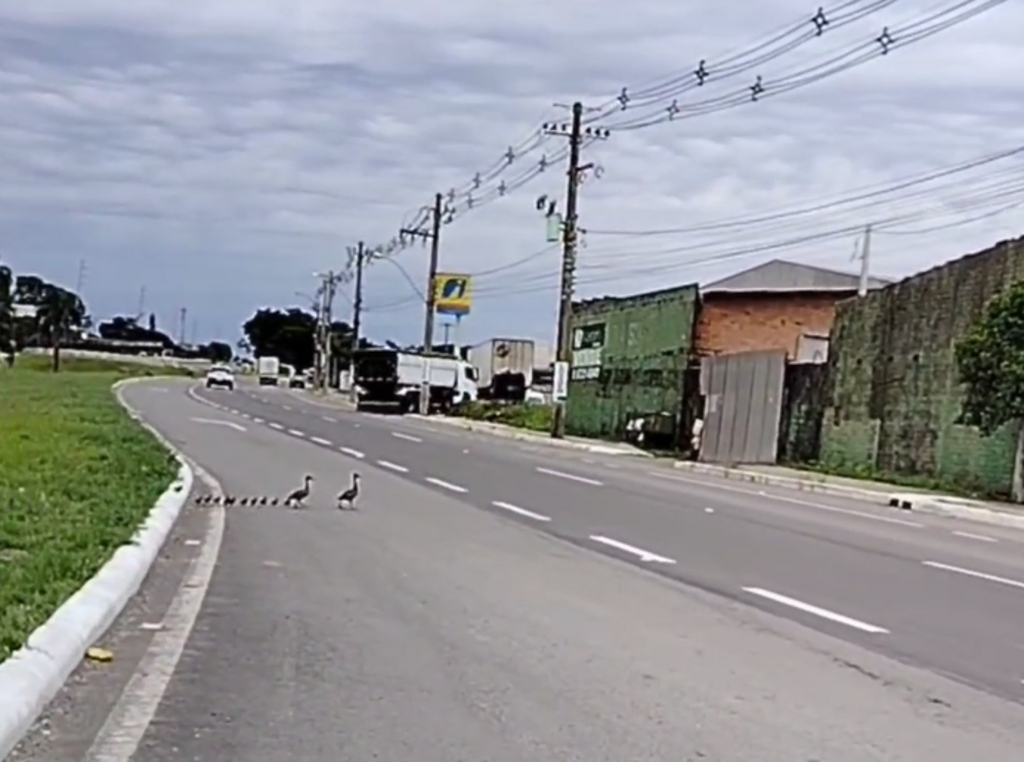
[(296, 433), (979, 537), (407, 437), (571, 477), (287, 407), (277, 426), (817, 611), (257, 420), (122, 732), (794, 500), (446, 485), (328, 419), (213, 422), (520, 511), (645, 555), (322, 441), (393, 466), (353, 453), (975, 574)]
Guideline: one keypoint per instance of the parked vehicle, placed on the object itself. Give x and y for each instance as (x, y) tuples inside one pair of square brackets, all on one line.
[(220, 377), (505, 368), (392, 378), (267, 370)]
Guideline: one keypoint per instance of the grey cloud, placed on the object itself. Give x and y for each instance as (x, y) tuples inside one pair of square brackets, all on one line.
[(221, 154)]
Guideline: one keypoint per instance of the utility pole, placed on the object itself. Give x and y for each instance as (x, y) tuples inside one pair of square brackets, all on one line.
[(865, 263), (183, 321), (570, 243), (325, 318), (357, 316), (434, 236)]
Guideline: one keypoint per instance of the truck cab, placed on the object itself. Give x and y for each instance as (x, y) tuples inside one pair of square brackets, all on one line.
[(393, 378)]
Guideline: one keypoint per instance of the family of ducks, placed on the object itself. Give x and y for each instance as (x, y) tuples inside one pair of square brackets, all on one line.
[(345, 500)]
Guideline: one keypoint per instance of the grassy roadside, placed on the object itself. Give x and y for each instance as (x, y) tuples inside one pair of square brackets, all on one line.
[(529, 417), (77, 477)]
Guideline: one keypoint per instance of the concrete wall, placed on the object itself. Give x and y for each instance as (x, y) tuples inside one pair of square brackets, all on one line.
[(895, 397), (746, 322)]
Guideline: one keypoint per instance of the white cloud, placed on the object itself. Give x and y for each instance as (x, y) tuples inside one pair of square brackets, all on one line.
[(218, 153)]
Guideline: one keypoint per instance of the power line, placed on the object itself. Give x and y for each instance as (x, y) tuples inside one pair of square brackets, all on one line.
[(663, 97), (668, 108)]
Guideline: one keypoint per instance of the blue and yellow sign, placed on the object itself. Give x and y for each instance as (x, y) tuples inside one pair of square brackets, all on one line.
[(453, 294)]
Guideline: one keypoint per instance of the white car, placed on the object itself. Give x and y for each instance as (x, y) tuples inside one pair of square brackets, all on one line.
[(220, 377)]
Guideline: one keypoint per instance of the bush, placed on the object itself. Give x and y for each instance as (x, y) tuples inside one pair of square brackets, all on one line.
[(532, 417), (77, 478)]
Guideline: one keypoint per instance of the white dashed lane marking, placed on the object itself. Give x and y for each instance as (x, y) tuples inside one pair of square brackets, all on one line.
[(976, 574), (570, 477), (296, 433), (808, 608), (520, 511), (978, 537), (277, 426), (406, 437), (446, 485), (328, 419), (393, 466), (321, 441), (353, 453)]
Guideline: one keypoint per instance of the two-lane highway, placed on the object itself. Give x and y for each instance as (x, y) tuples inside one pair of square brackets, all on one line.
[(419, 627), (945, 595)]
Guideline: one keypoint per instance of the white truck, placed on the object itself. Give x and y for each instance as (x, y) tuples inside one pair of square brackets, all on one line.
[(505, 367), (392, 378), (267, 370)]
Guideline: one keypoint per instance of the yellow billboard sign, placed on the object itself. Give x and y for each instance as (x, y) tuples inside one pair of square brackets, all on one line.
[(453, 294)]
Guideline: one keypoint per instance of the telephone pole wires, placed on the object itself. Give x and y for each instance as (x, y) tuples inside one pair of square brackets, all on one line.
[(570, 243), (434, 236)]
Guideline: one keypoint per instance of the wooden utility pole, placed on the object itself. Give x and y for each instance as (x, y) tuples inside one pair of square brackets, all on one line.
[(434, 236), (570, 242), (357, 317), (865, 263), (357, 302)]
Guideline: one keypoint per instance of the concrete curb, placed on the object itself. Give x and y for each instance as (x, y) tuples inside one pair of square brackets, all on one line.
[(33, 675), (521, 435), (939, 505)]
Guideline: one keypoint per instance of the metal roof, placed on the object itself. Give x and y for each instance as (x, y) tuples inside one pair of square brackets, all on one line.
[(779, 275)]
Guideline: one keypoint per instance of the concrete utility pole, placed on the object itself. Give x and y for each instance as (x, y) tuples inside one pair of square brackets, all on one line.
[(865, 263), (570, 242), (325, 308), (434, 236)]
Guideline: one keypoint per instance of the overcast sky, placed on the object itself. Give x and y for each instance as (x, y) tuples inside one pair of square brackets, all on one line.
[(218, 153)]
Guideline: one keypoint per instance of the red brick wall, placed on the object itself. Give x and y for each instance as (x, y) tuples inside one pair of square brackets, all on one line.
[(730, 323)]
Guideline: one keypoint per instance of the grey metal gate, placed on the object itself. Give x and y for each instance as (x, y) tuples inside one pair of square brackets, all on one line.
[(742, 406)]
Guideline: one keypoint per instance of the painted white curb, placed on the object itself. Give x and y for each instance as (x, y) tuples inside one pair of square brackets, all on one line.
[(33, 675), (523, 435)]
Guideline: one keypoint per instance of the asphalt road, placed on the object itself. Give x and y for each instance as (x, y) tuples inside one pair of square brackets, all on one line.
[(436, 623), (942, 594)]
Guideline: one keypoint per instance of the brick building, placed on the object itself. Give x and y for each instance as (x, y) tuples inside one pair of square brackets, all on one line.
[(776, 305)]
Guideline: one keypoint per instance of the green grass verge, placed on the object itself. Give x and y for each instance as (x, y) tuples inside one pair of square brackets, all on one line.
[(530, 417), (77, 478)]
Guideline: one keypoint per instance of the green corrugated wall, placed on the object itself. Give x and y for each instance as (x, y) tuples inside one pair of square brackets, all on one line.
[(645, 349)]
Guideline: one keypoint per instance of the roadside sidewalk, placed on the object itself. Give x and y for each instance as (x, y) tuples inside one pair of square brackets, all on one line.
[(899, 498)]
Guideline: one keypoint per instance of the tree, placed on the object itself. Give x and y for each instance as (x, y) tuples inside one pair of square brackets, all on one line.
[(218, 352), (7, 313), (58, 313), (288, 335), (990, 363)]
